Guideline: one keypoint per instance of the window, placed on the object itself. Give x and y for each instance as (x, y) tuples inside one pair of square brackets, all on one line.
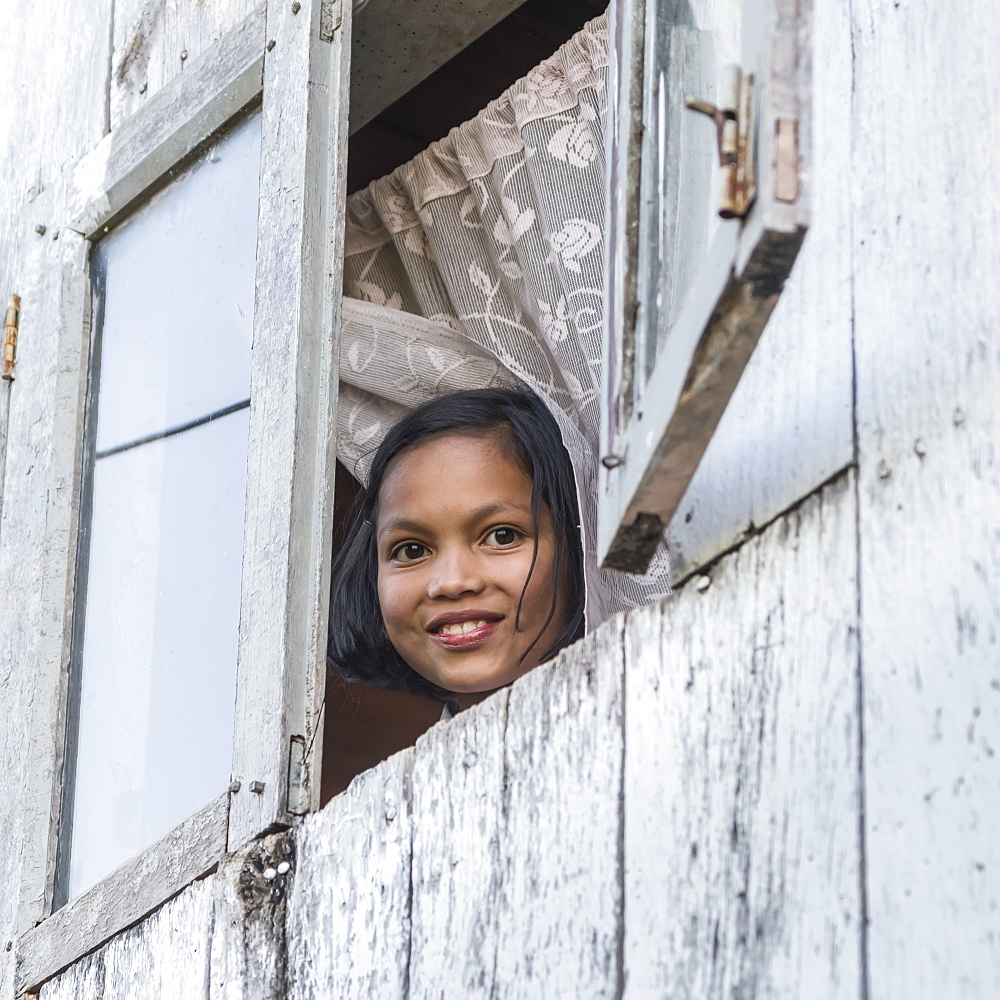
[(705, 220), (216, 289)]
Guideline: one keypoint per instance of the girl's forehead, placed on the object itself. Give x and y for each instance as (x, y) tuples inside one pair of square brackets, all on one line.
[(453, 472)]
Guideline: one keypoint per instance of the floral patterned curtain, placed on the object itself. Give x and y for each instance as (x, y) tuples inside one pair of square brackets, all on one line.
[(481, 262)]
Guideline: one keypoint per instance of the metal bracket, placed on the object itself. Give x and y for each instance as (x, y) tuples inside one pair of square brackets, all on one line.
[(10, 327), (734, 126)]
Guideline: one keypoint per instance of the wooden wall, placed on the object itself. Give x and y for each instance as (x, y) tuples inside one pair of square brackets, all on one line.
[(784, 781)]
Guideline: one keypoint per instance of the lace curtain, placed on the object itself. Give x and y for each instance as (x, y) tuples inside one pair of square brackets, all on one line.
[(480, 262)]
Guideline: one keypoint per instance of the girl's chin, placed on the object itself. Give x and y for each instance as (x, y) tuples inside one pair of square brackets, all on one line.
[(471, 679)]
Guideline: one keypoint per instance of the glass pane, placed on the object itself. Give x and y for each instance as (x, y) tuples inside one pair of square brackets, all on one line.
[(178, 315), (159, 656), (688, 44)]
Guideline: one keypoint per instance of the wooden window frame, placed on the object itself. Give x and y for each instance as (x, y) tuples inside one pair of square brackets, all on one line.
[(295, 64), (295, 60), (650, 452)]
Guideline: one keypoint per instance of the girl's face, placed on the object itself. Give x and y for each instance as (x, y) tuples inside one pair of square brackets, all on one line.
[(455, 542)]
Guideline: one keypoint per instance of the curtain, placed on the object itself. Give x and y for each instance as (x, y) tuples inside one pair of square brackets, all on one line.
[(481, 262)]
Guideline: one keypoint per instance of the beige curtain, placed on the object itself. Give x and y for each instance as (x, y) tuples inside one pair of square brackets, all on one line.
[(481, 262)]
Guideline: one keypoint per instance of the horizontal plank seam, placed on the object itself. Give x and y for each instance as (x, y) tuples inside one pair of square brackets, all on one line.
[(754, 530)]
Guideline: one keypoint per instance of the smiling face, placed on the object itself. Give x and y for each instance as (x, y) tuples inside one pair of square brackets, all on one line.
[(455, 541)]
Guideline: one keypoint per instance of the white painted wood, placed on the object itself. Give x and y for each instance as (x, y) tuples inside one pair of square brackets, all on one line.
[(398, 43), (788, 427), (742, 787), (125, 896), (155, 41), (184, 113), (286, 571), (655, 445), (222, 937), (459, 843), (50, 53), (47, 51), (36, 536), (559, 911), (926, 256), (348, 928)]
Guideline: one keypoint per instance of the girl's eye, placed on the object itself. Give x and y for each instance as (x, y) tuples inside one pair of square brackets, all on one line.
[(409, 552), (503, 537)]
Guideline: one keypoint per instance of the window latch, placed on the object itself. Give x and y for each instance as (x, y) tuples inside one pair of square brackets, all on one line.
[(10, 326), (733, 118)]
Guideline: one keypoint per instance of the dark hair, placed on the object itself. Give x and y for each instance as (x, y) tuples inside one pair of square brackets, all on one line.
[(358, 645)]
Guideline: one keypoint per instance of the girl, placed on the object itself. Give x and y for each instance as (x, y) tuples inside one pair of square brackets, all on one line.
[(463, 569)]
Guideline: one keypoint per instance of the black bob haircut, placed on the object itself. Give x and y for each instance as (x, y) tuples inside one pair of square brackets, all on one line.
[(358, 646)]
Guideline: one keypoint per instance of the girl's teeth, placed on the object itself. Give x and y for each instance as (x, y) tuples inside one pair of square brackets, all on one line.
[(461, 628)]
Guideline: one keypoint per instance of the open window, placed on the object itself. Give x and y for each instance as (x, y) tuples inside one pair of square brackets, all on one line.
[(202, 570), (708, 205)]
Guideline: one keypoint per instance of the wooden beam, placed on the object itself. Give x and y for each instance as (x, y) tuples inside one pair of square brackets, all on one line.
[(293, 393)]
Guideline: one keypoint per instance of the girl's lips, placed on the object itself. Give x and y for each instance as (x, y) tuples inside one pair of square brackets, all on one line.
[(467, 640)]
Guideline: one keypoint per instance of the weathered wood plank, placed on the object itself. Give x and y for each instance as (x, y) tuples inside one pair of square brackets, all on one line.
[(459, 842), (788, 427), (128, 894), (559, 911), (155, 41), (742, 788), (53, 73), (36, 542), (286, 568), (348, 924), (398, 43), (184, 113), (928, 348), (222, 937)]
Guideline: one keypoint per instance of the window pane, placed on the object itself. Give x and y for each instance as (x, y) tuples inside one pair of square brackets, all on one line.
[(159, 656), (178, 316), (174, 288)]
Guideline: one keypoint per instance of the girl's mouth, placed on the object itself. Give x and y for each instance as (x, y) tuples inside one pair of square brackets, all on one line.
[(467, 632)]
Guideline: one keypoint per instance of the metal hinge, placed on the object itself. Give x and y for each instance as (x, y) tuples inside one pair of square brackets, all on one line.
[(733, 118), (10, 326)]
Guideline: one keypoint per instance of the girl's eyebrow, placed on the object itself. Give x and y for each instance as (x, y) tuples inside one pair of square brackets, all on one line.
[(479, 514)]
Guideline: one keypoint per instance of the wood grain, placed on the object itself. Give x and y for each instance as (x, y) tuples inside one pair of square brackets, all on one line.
[(742, 788), (155, 41), (459, 840), (349, 906), (928, 347), (293, 391), (145, 147), (135, 889), (559, 912), (788, 427)]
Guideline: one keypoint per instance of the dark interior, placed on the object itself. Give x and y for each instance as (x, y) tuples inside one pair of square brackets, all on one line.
[(364, 726), (464, 86)]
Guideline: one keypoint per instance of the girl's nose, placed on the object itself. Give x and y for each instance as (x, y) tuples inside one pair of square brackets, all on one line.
[(456, 571)]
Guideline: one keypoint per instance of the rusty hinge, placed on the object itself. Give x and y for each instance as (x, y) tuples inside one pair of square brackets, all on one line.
[(10, 325), (733, 118)]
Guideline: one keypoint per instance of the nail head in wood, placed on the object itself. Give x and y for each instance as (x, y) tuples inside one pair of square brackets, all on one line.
[(920, 448), (40, 229), (256, 787), (612, 461), (184, 54), (235, 786), (884, 472), (702, 583), (296, 7), (270, 45)]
